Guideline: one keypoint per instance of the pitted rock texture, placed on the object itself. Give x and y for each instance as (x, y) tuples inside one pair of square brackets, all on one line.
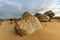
[(27, 25), (42, 18)]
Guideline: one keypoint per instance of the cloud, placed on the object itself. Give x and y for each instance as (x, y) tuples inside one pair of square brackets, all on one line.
[(56, 9), (15, 8)]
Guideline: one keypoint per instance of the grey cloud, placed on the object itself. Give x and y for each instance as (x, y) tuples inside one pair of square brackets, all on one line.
[(15, 8)]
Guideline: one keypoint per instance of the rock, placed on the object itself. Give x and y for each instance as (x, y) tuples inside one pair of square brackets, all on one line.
[(26, 15), (1, 22), (50, 14), (42, 18), (6, 22), (13, 19), (27, 25), (56, 17)]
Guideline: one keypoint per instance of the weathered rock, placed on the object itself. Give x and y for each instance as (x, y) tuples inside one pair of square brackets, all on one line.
[(1, 22), (42, 18), (6, 22), (26, 15), (27, 25), (13, 19), (56, 17), (50, 14)]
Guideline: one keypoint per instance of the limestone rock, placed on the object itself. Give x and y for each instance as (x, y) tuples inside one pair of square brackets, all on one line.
[(42, 18), (6, 22), (50, 14), (27, 25)]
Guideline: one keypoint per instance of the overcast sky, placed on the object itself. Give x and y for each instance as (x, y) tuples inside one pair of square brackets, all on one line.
[(57, 8), (15, 8)]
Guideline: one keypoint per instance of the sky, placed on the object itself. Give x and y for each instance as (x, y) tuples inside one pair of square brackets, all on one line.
[(15, 8), (58, 8)]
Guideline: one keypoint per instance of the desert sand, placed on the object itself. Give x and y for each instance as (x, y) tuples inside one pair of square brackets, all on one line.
[(50, 31)]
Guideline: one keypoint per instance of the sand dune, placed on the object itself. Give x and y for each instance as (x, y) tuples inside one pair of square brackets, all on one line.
[(50, 31)]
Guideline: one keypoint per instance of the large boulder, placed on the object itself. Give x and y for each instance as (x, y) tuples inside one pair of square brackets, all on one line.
[(27, 25), (50, 14), (42, 18)]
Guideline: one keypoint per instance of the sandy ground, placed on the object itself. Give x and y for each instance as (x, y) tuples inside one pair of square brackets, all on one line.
[(50, 31)]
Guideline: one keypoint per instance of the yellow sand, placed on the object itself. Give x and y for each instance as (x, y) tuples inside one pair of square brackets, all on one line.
[(50, 31)]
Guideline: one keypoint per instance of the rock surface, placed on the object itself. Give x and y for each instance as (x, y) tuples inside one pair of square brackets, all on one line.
[(42, 18), (50, 14), (27, 25)]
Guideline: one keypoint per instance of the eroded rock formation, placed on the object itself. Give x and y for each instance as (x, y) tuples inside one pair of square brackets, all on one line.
[(27, 25), (42, 18), (50, 14)]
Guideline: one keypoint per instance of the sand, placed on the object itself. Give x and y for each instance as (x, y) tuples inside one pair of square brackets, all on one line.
[(50, 31)]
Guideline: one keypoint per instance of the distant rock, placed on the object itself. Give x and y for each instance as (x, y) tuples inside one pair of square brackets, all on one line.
[(6, 22), (13, 19), (50, 14), (56, 17), (42, 18), (27, 25), (1, 20)]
